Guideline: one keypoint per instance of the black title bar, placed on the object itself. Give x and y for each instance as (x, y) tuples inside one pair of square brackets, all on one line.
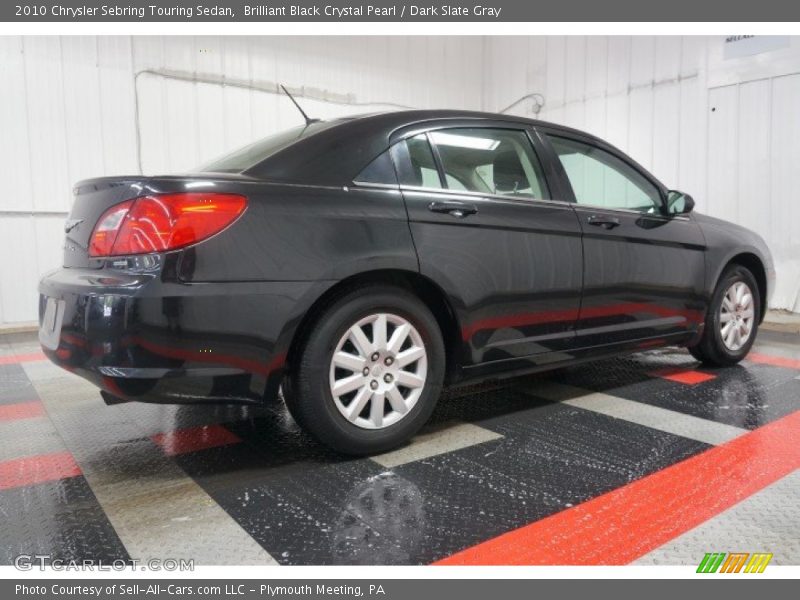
[(388, 11)]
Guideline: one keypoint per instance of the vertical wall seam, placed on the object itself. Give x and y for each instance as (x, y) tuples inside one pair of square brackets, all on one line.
[(769, 152), (64, 109), (678, 162), (101, 104), (28, 133)]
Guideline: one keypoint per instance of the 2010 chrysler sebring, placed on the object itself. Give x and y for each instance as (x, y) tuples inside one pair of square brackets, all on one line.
[(363, 263)]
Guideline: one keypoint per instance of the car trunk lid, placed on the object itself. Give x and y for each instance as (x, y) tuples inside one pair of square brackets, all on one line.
[(92, 198)]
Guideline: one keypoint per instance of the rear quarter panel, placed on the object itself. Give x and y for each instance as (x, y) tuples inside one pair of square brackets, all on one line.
[(305, 233)]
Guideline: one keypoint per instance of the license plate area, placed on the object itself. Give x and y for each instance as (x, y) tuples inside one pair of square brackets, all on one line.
[(50, 329)]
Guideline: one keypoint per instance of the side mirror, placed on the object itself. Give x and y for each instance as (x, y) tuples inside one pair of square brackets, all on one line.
[(679, 203)]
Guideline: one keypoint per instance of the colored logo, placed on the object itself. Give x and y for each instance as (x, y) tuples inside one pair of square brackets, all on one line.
[(734, 562)]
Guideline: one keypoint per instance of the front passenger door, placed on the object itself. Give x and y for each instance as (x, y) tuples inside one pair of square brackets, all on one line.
[(643, 269)]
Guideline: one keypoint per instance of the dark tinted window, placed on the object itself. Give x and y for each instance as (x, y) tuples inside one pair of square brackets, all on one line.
[(601, 179), (490, 161), (249, 156), (380, 170)]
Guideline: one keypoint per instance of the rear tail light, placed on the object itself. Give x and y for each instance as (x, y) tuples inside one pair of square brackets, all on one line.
[(162, 222)]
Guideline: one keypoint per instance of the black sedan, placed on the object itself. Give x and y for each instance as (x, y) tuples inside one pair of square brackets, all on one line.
[(361, 264)]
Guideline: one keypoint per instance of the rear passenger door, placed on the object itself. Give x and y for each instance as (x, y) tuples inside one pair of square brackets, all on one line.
[(643, 269), (496, 236)]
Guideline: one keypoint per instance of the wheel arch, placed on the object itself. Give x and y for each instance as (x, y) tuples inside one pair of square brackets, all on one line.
[(755, 265), (421, 286)]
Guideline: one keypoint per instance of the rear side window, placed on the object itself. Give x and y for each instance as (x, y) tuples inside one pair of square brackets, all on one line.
[(380, 171), (490, 161)]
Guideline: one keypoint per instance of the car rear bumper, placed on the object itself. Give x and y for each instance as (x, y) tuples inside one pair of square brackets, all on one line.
[(139, 338)]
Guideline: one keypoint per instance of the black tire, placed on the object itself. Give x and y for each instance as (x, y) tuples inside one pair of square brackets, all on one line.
[(308, 395), (711, 350)]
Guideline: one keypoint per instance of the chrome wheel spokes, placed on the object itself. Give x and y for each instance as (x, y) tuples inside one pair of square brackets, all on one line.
[(378, 371)]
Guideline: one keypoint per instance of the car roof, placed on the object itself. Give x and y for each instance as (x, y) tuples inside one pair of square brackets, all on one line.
[(399, 119), (336, 154)]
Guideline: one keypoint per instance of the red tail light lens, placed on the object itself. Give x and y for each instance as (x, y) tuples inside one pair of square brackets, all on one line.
[(162, 222), (107, 228)]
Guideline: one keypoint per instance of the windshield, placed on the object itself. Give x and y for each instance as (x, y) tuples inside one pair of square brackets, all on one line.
[(249, 156)]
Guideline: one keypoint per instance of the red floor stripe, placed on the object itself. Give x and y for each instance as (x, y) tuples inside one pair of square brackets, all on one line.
[(687, 376), (183, 441), (775, 361), (37, 469), (21, 410), (12, 360), (623, 525)]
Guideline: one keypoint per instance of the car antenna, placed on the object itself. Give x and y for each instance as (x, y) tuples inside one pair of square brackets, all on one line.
[(308, 119)]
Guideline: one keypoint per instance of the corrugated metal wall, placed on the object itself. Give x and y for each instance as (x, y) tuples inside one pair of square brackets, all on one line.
[(726, 130), (74, 107)]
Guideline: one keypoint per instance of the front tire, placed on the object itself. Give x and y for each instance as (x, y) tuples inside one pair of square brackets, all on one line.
[(369, 372), (732, 321)]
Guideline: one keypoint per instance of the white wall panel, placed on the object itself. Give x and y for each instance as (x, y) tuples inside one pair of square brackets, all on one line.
[(117, 104), (47, 134), (574, 115), (575, 75), (619, 64), (19, 269), (666, 132), (617, 109), (595, 116), (184, 123), (667, 57), (692, 153), (640, 127), (556, 72), (643, 52), (755, 202), (693, 54), (723, 152), (596, 66), (81, 100), (536, 63), (154, 148), (49, 234), (785, 182), (15, 146)]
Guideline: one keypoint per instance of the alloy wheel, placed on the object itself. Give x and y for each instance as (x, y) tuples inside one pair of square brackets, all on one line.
[(736, 316), (378, 371)]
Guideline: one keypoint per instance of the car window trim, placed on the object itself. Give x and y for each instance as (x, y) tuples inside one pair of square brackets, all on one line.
[(598, 208), (467, 193), (375, 184)]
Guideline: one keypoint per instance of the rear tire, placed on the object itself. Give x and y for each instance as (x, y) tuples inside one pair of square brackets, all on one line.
[(732, 321), (371, 396)]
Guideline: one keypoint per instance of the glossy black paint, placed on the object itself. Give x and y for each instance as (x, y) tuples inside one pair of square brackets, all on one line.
[(655, 284), (518, 285)]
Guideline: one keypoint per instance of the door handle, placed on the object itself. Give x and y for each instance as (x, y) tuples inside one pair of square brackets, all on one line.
[(605, 222), (456, 209)]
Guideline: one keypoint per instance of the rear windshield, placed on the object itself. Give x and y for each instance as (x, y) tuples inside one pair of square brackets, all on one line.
[(249, 156)]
